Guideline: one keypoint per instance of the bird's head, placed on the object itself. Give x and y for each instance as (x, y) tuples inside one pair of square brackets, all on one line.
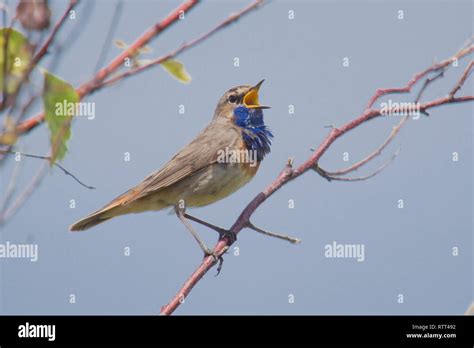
[(240, 105)]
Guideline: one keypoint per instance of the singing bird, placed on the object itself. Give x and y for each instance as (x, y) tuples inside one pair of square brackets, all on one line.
[(220, 160)]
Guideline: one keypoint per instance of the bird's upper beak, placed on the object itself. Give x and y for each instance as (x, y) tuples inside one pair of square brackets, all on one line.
[(251, 98)]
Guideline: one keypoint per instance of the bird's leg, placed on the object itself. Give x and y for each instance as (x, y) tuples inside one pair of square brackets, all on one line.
[(222, 231), (181, 215)]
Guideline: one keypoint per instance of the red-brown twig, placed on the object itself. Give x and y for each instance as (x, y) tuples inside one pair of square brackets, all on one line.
[(395, 130), (463, 78), (231, 19), (288, 173), (100, 80), (330, 176), (41, 52), (118, 61), (101, 75), (417, 77), (5, 213), (44, 48)]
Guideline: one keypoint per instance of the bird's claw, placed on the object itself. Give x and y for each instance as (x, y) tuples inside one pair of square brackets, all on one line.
[(217, 259)]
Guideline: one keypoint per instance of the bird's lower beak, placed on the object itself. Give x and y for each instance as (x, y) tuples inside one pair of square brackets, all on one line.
[(251, 98)]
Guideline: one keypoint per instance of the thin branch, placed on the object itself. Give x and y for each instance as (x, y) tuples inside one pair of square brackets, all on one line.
[(42, 51), (24, 195), (417, 77), (73, 35), (10, 188), (395, 130), (21, 114), (288, 174), (48, 158), (274, 234), (117, 62), (185, 46), (463, 78), (427, 82), (377, 152), (26, 106), (44, 48), (329, 177), (99, 80), (86, 88), (110, 34)]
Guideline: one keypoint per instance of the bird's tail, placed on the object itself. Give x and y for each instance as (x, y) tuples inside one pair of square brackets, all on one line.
[(114, 208), (91, 220), (124, 204)]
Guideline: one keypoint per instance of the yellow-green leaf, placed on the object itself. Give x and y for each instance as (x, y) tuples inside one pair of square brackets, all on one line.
[(123, 45), (120, 44), (60, 100), (18, 57), (9, 136), (145, 49), (177, 70)]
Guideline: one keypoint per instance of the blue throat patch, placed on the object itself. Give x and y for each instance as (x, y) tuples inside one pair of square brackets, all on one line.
[(258, 136)]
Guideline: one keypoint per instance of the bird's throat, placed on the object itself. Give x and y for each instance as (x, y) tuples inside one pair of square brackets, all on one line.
[(256, 135)]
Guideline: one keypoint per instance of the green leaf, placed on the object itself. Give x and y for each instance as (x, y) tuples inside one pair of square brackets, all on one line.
[(120, 44), (123, 45), (8, 136), (59, 99), (177, 70), (18, 57), (145, 49)]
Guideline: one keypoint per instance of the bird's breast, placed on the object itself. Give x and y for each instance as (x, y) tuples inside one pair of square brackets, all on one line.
[(216, 182)]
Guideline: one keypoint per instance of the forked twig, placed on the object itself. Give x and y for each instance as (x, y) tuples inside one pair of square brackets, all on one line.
[(289, 173)]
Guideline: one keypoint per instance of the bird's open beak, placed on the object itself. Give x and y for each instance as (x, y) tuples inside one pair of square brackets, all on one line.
[(251, 98)]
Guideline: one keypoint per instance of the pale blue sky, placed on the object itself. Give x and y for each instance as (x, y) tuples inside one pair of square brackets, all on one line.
[(407, 251)]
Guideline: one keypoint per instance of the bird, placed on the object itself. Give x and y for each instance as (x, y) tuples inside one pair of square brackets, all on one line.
[(222, 158)]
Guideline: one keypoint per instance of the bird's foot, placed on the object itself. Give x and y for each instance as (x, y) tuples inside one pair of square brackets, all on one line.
[(209, 252), (217, 259)]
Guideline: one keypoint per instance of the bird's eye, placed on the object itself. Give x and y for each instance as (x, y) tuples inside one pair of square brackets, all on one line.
[(232, 99)]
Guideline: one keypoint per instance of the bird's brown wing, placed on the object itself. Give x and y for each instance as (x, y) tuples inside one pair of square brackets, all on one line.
[(197, 155)]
